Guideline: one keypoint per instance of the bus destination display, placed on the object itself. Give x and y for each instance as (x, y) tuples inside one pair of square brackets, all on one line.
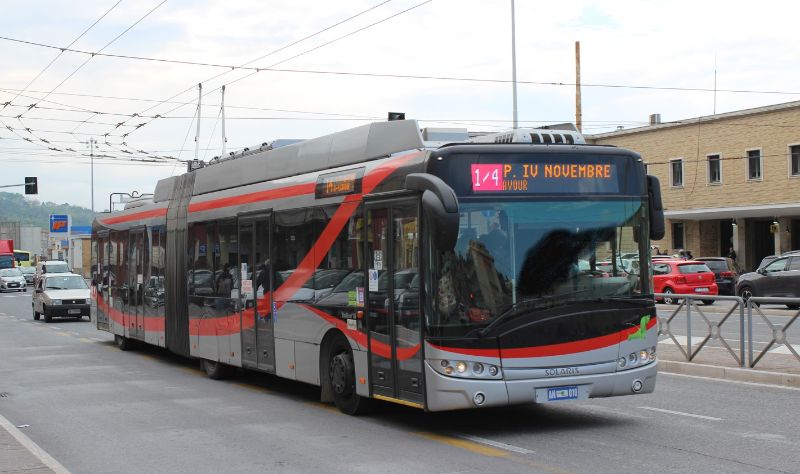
[(544, 177)]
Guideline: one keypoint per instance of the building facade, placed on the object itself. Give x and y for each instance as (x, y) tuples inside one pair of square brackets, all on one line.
[(729, 180)]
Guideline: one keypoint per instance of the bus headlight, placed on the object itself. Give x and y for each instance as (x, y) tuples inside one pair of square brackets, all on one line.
[(467, 369), (637, 359)]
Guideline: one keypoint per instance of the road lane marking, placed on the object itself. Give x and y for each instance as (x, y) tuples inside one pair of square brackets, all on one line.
[(680, 413), (755, 384), (62, 333), (83, 339), (495, 444), (613, 411), (465, 444), (32, 447)]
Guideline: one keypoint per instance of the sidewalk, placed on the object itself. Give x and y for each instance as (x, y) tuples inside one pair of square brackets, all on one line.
[(18, 454), (717, 362)]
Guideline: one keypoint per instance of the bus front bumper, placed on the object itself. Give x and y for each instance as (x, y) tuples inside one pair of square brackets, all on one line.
[(451, 393)]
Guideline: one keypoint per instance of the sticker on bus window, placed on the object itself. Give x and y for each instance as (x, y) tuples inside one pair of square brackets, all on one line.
[(373, 280), (360, 295)]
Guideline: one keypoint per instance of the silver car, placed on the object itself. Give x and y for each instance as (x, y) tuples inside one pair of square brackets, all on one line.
[(12, 279)]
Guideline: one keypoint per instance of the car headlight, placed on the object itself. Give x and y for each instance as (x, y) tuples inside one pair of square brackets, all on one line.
[(466, 369), (55, 302)]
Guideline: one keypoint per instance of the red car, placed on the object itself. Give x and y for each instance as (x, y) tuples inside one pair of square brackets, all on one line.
[(685, 277)]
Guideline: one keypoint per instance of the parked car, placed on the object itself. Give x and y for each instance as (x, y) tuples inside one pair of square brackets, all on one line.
[(61, 295), (726, 271), (11, 279), (685, 277), (779, 277), (29, 273)]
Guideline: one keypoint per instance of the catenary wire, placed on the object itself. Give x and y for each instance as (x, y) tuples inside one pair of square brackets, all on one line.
[(412, 76)]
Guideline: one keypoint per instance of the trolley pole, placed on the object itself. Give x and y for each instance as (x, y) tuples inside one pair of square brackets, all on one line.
[(224, 140)]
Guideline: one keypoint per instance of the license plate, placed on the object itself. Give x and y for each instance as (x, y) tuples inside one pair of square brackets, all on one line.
[(73, 311), (562, 393), (701, 290)]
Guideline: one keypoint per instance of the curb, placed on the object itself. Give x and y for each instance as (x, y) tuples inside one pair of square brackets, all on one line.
[(735, 374), (32, 447)]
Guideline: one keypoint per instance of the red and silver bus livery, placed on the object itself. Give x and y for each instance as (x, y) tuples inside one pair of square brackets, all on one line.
[(377, 265)]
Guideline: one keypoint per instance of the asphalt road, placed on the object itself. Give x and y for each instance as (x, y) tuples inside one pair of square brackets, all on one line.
[(97, 409)]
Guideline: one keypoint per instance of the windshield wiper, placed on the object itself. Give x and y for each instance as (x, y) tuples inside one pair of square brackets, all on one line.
[(530, 303)]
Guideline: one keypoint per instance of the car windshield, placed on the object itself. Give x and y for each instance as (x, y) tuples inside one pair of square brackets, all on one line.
[(66, 282), (522, 255), (56, 268), (10, 272)]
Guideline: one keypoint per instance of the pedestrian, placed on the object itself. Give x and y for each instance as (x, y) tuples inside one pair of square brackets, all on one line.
[(732, 254), (689, 255)]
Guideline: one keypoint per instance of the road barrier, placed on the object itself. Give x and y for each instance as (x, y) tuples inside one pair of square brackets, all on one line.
[(688, 304), (779, 333), (711, 328)]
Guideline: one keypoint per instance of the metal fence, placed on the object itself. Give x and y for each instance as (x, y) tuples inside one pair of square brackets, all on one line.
[(737, 320)]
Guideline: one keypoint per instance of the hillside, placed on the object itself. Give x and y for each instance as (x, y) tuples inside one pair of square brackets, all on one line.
[(14, 207)]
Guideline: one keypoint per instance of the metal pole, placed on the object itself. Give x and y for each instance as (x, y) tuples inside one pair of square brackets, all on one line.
[(92, 141), (199, 111), (741, 333), (688, 303), (578, 111), (749, 333), (224, 140), (514, 63)]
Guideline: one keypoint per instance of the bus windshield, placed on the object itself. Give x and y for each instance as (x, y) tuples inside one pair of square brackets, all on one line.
[(533, 254)]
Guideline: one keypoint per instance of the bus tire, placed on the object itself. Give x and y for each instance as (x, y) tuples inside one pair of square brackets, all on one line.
[(217, 370), (342, 379), (123, 343)]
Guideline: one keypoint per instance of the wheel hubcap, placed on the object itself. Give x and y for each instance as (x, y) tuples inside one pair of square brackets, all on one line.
[(341, 375)]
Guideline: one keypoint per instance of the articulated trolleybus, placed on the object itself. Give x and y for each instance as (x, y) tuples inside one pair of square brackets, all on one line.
[(506, 269)]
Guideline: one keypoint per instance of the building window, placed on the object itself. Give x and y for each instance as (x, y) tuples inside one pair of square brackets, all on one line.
[(753, 164), (676, 173), (714, 169), (677, 235), (794, 157)]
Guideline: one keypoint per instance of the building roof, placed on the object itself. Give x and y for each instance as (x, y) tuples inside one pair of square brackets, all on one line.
[(695, 120)]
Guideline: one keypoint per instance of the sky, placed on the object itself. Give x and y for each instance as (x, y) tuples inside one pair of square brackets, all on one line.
[(321, 67)]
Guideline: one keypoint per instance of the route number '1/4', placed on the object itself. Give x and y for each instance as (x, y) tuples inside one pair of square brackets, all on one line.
[(487, 177)]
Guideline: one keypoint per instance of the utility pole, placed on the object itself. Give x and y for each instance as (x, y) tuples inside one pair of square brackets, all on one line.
[(199, 111), (514, 63), (92, 142)]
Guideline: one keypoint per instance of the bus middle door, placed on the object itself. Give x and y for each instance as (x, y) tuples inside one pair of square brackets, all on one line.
[(393, 300)]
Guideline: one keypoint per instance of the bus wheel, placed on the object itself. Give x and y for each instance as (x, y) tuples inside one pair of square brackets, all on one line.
[(217, 370), (123, 343), (342, 379)]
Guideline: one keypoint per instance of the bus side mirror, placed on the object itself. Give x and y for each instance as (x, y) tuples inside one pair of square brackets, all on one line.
[(440, 202), (655, 208)]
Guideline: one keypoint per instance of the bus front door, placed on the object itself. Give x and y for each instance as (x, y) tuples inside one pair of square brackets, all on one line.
[(255, 272), (393, 300)]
